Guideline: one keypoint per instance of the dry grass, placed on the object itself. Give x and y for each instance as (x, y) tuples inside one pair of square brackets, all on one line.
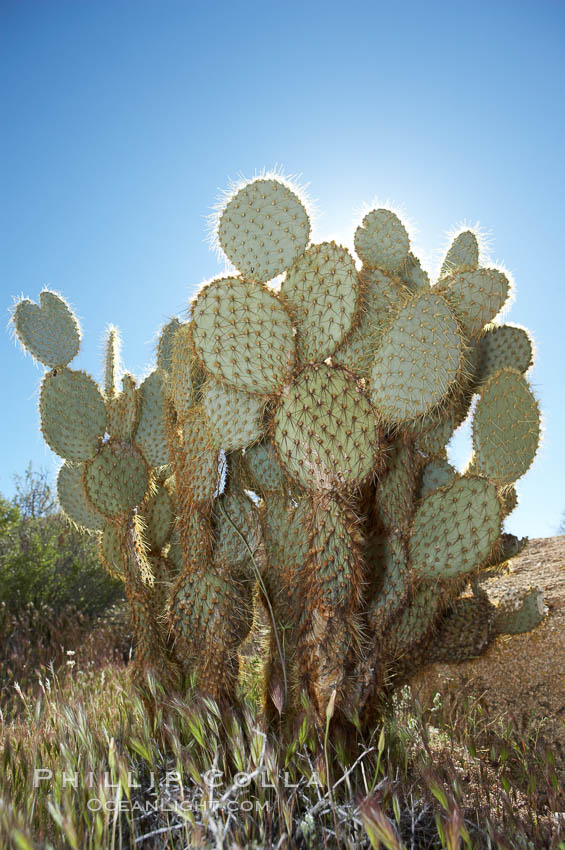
[(200, 779)]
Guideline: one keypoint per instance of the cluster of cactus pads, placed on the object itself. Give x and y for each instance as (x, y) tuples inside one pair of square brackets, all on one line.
[(284, 466)]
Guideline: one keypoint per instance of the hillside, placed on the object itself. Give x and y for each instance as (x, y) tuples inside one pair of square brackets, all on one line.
[(521, 676)]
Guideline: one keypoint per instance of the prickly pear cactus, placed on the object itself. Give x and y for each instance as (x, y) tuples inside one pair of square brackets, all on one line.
[(289, 452)]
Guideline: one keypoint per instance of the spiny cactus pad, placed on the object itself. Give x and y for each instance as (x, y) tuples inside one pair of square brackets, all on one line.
[(111, 549), (436, 474), (380, 297), (122, 410), (462, 256), (158, 516), (506, 428), (285, 464), (235, 418), (166, 344), (263, 229), (117, 479), (73, 499), (325, 429), (243, 335), (73, 415), (519, 611), (382, 241), (412, 274), (455, 528), (48, 330), (502, 347), (320, 291), (151, 432), (476, 296), (418, 360), (265, 473)]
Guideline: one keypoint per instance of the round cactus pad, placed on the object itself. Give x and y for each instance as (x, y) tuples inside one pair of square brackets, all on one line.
[(416, 619), (476, 296), (463, 254), (506, 428), (264, 468), (418, 360), (325, 429), (73, 415), (503, 346), (73, 499), (381, 296), (151, 433), (263, 229), (381, 240), (321, 291), (117, 479), (243, 335), (436, 474), (235, 418), (455, 528), (433, 432), (48, 330)]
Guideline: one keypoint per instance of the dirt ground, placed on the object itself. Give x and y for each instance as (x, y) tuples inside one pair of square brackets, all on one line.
[(520, 677)]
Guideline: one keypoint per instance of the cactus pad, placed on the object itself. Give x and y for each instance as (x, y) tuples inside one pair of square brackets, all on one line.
[(117, 479), (235, 418), (476, 297), (418, 360), (519, 611), (436, 474), (73, 415), (433, 432), (48, 330), (111, 549), (73, 500), (157, 513), (122, 410), (263, 229), (166, 344), (199, 460), (412, 273), (455, 528), (381, 295), (462, 256), (320, 291), (266, 475), (151, 433), (243, 335), (506, 428), (503, 346), (334, 549), (325, 430), (381, 240)]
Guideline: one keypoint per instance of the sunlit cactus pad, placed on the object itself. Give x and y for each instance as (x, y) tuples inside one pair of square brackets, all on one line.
[(285, 465)]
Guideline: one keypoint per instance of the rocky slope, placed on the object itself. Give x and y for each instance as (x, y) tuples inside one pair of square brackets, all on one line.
[(520, 677)]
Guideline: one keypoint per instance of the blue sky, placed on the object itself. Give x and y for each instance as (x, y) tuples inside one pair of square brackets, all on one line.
[(123, 120)]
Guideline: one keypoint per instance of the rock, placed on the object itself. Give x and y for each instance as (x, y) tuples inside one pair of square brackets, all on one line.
[(521, 677)]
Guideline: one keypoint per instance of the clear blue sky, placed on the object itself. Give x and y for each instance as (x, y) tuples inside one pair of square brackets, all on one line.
[(122, 119)]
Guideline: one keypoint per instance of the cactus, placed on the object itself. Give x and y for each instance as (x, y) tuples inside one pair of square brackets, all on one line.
[(289, 451)]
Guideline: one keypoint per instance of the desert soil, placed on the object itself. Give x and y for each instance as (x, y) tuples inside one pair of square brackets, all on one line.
[(521, 677)]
